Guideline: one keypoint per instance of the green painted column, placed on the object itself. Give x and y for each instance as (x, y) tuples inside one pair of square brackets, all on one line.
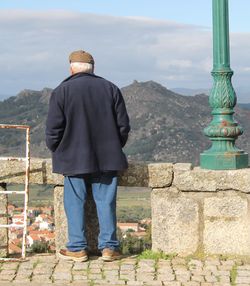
[(223, 129)]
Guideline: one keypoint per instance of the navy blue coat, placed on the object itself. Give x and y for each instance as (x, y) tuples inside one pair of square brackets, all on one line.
[(87, 126)]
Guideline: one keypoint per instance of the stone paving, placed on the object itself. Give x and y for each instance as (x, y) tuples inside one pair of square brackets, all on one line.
[(41, 270)]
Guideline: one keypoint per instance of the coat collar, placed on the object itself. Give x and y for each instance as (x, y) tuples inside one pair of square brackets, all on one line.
[(80, 74)]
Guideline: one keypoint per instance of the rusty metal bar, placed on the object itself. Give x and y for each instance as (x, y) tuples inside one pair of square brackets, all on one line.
[(13, 159), (12, 192), (13, 260), (13, 126), (26, 189), (12, 225)]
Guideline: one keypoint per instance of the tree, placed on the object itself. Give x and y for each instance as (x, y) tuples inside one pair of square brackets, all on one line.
[(40, 247), (133, 245)]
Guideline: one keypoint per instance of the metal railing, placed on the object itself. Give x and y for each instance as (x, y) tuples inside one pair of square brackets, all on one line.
[(26, 188)]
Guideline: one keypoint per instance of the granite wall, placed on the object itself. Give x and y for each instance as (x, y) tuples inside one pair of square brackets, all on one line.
[(202, 211), (3, 220), (193, 210)]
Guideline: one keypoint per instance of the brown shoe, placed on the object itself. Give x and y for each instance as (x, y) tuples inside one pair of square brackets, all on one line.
[(79, 256), (110, 254)]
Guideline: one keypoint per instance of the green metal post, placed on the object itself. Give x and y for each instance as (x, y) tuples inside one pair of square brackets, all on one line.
[(223, 130)]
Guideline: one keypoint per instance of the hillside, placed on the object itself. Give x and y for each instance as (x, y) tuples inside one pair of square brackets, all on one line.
[(166, 126)]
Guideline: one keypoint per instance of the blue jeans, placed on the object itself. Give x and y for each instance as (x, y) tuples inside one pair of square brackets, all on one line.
[(104, 190)]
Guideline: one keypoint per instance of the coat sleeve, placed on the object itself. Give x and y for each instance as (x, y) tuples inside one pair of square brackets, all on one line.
[(55, 123), (122, 118)]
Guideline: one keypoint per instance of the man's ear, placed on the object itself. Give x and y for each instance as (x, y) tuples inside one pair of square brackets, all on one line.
[(71, 70)]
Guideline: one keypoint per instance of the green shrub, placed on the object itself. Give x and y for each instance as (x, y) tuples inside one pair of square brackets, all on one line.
[(40, 247)]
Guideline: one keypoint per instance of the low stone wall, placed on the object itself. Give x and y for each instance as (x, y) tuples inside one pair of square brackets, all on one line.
[(193, 210), (92, 226), (138, 174), (202, 211), (3, 220)]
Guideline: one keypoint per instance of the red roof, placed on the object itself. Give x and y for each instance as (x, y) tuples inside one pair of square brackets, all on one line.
[(138, 234), (18, 216), (32, 227), (14, 248), (19, 222), (43, 234), (16, 241), (128, 224), (35, 237), (40, 232), (50, 235)]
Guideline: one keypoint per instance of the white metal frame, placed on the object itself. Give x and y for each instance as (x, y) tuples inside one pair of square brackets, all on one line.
[(26, 188)]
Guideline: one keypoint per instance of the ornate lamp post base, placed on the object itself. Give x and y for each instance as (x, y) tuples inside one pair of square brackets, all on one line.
[(223, 130), (223, 161)]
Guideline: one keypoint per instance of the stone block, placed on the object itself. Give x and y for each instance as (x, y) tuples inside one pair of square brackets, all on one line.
[(135, 175), (52, 178), (61, 229), (225, 236), (175, 222), (227, 206), (154, 175), (61, 225), (14, 171), (3, 220), (227, 224), (201, 180), (160, 175), (180, 167)]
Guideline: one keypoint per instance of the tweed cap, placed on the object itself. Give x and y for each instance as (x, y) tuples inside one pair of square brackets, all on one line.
[(81, 56)]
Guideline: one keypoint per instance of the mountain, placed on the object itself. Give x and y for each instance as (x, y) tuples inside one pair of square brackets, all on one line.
[(166, 126), (4, 96), (244, 105), (242, 92), (29, 108), (190, 91)]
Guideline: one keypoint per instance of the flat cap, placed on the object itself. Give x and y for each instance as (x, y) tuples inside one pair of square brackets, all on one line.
[(81, 56)]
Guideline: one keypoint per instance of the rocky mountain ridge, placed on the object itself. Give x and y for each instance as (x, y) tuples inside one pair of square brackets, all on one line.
[(166, 126)]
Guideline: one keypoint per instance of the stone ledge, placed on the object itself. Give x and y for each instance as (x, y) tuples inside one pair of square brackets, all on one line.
[(201, 180), (40, 172), (155, 175)]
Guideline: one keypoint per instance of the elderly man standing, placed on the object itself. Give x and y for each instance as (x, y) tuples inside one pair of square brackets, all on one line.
[(86, 128)]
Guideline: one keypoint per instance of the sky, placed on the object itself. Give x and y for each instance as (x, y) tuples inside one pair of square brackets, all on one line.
[(162, 40)]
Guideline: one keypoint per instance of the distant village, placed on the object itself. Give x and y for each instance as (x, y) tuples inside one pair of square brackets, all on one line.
[(41, 228)]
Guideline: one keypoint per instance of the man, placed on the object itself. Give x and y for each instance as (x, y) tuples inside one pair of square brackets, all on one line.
[(87, 127)]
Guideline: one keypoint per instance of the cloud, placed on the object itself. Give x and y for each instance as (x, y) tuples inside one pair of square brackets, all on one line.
[(246, 69), (35, 46)]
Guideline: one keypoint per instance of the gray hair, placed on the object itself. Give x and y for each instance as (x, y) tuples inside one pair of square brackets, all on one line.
[(82, 67)]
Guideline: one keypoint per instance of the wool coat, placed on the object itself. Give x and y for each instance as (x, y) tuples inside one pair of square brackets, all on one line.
[(87, 126)]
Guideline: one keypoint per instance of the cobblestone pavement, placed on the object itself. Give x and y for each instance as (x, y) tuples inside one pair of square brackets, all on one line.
[(47, 269)]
